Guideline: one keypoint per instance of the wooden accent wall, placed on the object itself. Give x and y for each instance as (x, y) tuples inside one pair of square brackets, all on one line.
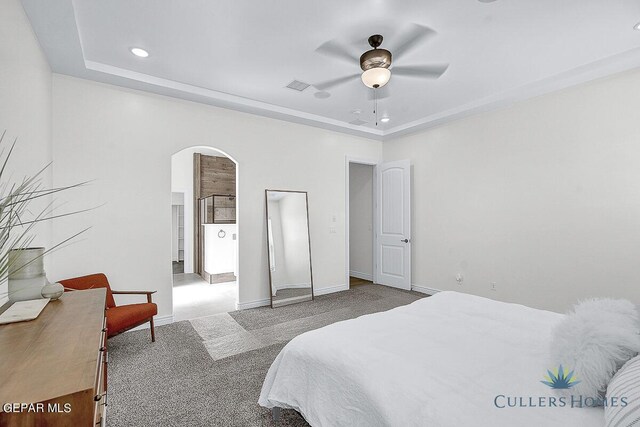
[(217, 176)]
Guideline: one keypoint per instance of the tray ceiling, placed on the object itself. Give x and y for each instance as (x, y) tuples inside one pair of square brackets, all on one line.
[(242, 54)]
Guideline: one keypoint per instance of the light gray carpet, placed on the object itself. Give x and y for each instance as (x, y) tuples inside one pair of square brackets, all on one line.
[(208, 372), (356, 301)]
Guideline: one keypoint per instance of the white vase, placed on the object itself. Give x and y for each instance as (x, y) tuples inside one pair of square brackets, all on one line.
[(26, 289), (26, 263), (26, 274)]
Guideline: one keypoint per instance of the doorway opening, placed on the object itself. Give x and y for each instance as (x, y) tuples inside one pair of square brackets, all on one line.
[(360, 217), (390, 208), (204, 233)]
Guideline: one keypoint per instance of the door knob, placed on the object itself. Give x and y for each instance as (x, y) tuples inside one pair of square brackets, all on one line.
[(405, 240)]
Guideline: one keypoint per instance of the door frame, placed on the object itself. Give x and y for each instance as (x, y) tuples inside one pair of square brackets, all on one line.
[(198, 149), (369, 162)]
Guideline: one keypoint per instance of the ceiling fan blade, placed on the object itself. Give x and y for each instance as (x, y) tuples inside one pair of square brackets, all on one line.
[(410, 38), (382, 93), (335, 82), (420, 71), (338, 51)]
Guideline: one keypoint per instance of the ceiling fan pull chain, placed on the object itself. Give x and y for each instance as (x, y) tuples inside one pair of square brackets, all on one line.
[(375, 103)]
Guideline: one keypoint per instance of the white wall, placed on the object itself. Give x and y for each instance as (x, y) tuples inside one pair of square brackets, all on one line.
[(361, 221), (124, 140), (177, 198), (25, 105), (182, 182), (542, 198)]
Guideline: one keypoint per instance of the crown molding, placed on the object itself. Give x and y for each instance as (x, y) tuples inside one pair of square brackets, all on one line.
[(614, 64), (234, 102)]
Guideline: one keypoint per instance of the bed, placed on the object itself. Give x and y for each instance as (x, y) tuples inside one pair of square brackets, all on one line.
[(449, 360)]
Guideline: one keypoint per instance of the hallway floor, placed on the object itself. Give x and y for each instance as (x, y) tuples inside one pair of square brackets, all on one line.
[(178, 267), (193, 297), (354, 281)]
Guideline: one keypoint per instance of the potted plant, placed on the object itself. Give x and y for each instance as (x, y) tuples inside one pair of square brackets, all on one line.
[(20, 261)]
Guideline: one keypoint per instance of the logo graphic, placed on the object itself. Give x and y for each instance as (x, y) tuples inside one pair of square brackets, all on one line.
[(559, 379)]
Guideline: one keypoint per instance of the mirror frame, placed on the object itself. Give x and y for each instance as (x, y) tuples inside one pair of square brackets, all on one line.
[(266, 209)]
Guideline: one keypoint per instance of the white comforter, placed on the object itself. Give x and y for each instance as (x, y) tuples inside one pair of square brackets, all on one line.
[(440, 361)]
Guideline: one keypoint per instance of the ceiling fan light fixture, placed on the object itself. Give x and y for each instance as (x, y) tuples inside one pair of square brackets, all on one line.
[(375, 58), (376, 77)]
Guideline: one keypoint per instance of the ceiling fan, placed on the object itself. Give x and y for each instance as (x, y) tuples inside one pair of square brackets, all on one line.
[(376, 63)]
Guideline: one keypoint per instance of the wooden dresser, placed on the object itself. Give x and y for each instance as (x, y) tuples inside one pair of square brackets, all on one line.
[(57, 363)]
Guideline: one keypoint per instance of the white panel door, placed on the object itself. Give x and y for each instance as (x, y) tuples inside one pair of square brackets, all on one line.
[(393, 224)]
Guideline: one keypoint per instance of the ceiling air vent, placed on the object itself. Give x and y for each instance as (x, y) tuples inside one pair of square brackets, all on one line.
[(358, 122), (298, 85)]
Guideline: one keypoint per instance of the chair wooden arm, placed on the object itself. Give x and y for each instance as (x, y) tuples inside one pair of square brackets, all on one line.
[(133, 292), (147, 293)]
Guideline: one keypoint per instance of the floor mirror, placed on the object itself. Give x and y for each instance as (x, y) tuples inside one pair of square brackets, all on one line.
[(289, 247)]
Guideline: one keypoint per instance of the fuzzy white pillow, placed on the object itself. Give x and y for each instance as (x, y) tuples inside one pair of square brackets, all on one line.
[(595, 340)]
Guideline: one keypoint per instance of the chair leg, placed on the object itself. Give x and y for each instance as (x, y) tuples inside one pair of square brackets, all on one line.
[(153, 331)]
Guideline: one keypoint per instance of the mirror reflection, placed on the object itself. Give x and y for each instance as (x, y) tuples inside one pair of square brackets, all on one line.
[(288, 247)]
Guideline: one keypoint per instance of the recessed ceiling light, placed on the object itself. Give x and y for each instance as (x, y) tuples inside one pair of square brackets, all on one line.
[(385, 119), (356, 111), (137, 51), (637, 26)]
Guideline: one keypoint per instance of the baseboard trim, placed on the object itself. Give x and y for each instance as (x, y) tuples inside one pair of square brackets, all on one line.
[(163, 320), (425, 289), (363, 276), (253, 304), (157, 321), (330, 289), (266, 302)]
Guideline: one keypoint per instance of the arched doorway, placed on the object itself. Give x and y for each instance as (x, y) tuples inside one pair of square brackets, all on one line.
[(204, 247)]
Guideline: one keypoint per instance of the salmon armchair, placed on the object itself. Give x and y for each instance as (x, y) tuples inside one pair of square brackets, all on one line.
[(120, 318)]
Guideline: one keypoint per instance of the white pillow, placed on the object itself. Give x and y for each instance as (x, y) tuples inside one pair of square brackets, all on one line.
[(622, 409), (594, 341)]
